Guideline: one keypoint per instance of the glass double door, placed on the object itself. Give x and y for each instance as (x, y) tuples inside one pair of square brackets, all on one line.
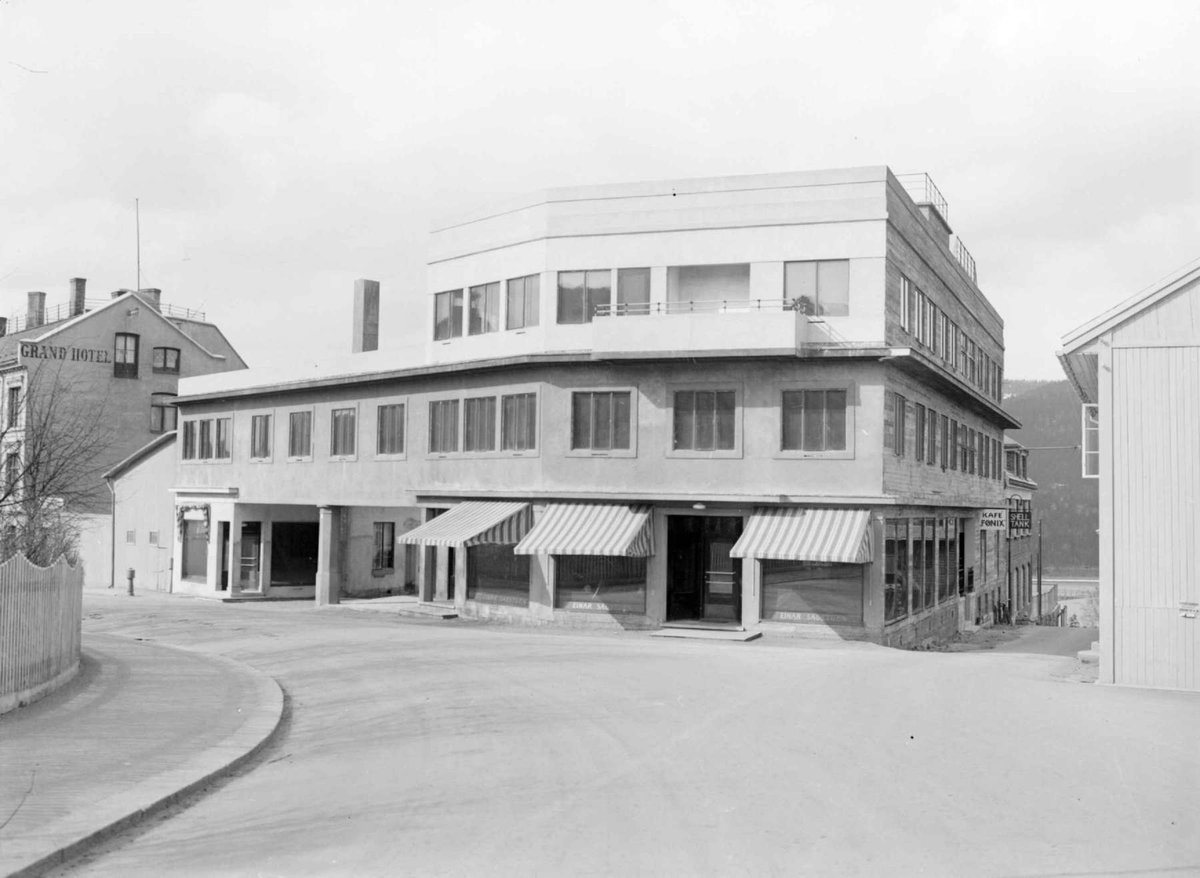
[(703, 582)]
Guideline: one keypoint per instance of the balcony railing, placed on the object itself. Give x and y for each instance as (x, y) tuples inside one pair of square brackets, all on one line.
[(19, 321), (964, 257), (730, 306), (922, 190)]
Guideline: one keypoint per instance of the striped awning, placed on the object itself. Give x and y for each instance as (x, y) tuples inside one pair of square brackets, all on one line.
[(591, 529), (473, 523), (793, 533)]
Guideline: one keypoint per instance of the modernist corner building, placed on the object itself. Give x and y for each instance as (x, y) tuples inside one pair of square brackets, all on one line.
[(1137, 369), (767, 402)]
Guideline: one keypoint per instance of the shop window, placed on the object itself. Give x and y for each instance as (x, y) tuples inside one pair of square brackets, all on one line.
[(300, 434), (294, 552), (895, 570), (818, 288), (806, 591), (166, 360), (497, 576), (919, 573), (260, 437), (521, 309), (710, 285), (814, 420), (163, 414), (194, 541), (14, 406), (518, 422), (343, 432), (447, 315), (479, 423), (389, 429), (580, 293), (443, 426), (125, 355), (600, 584), (705, 420), (633, 291), (600, 420), (385, 546), (484, 307)]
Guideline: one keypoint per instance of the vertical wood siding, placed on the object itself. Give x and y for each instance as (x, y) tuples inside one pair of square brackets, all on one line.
[(1156, 525), (40, 617)]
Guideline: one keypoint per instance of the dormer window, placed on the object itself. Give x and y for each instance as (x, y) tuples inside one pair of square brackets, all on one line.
[(125, 355), (166, 360)]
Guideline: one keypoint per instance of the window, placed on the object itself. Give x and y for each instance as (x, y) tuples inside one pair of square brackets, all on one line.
[(385, 546), (937, 332), (952, 444), (906, 304), (518, 422), (166, 360), (206, 440), (12, 470), (600, 583), (479, 424), (633, 291), (521, 309), (931, 444), (189, 440), (443, 426), (922, 318), (946, 452), (447, 315), (497, 576), (260, 437), (947, 339), (389, 431), (972, 445), (163, 414), (811, 591), (919, 432), (484, 303), (580, 292), (972, 354), (600, 420), (125, 355), (131, 537), (983, 453), (898, 438), (195, 550), (895, 570), (14, 406), (342, 424), (1091, 441), (152, 538), (814, 420), (708, 283), (963, 456), (705, 420), (820, 288), (300, 434), (223, 451)]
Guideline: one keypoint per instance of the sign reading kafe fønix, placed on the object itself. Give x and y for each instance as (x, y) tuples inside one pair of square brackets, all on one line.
[(993, 519)]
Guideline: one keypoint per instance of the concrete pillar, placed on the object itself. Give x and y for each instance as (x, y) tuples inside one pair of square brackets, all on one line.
[(327, 578)]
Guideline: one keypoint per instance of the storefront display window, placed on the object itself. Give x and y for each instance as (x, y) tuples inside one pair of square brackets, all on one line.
[(895, 566), (496, 576), (600, 583), (807, 591)]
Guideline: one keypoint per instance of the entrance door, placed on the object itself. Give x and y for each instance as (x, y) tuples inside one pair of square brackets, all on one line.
[(703, 582), (223, 545), (250, 563)]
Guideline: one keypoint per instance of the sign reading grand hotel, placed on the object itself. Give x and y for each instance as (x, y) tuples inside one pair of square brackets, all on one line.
[(31, 351), (993, 519)]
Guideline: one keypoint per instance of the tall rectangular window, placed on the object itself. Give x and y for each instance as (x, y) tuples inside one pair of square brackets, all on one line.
[(906, 304), (1090, 421), (385, 546), (705, 420), (581, 292), (947, 339), (14, 406), (479, 423), (206, 440), (12, 471), (125, 355), (947, 453), (260, 437), (389, 429), (931, 444), (895, 570), (818, 288), (962, 448), (972, 445), (600, 420), (521, 308), (814, 420), (224, 429), (443, 426), (447, 315), (898, 442), (919, 432), (342, 432), (518, 422), (633, 291), (189, 440), (163, 414), (300, 434), (937, 331), (484, 304)]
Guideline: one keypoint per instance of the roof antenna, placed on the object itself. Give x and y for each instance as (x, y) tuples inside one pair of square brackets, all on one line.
[(137, 213)]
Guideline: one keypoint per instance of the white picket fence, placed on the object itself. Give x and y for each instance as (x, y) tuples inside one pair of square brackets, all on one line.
[(41, 612)]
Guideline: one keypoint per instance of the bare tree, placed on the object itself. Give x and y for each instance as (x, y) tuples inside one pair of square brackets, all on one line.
[(56, 442)]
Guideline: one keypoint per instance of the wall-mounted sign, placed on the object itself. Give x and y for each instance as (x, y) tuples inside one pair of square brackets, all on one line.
[(1019, 519), (993, 519), (31, 351)]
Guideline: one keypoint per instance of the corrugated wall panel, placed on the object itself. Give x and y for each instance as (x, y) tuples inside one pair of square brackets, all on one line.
[(1156, 523)]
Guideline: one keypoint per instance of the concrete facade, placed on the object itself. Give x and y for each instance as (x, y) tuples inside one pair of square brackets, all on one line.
[(717, 308)]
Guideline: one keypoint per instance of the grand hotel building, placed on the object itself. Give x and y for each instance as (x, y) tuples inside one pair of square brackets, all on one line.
[(766, 403)]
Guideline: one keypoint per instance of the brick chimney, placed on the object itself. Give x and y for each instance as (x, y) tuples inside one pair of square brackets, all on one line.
[(366, 316), (152, 296), (36, 314), (77, 295)]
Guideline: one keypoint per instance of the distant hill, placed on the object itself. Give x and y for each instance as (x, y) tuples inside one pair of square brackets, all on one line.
[(1067, 504)]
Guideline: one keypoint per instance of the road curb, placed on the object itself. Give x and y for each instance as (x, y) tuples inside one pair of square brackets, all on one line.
[(256, 733)]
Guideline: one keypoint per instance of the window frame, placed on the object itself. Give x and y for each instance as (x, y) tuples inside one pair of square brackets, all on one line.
[(1086, 452), (456, 331), (631, 451), (490, 294), (456, 451), (516, 391), (155, 405), (312, 421), (14, 402), (384, 402), (202, 427), (164, 369), (818, 306), (527, 319), (331, 408), (587, 304), (739, 405), (383, 548), (851, 390), (125, 369), (253, 416)]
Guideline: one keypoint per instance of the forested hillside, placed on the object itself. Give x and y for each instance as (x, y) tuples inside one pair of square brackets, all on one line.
[(1066, 503)]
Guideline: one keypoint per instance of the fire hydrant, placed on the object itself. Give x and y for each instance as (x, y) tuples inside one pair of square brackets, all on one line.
[(129, 576)]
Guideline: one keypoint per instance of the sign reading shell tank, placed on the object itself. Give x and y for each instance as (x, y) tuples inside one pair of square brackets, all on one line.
[(31, 351), (993, 519)]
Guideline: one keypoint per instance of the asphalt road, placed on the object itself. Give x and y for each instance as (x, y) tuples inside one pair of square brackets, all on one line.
[(428, 748)]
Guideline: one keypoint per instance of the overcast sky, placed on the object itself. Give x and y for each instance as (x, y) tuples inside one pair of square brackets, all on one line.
[(281, 150)]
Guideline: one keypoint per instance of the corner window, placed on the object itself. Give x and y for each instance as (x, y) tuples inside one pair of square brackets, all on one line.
[(818, 288), (342, 432), (479, 424), (633, 291), (389, 432), (580, 293), (447, 315), (521, 307), (484, 305), (600, 420), (814, 420), (125, 355), (166, 360), (518, 422), (300, 434), (163, 414), (705, 420), (443, 426), (260, 437), (385, 546)]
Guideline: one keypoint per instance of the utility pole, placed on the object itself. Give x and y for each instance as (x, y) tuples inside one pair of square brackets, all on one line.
[(137, 218), (1039, 569)]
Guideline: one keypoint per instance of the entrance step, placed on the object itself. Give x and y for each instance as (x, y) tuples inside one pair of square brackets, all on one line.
[(247, 597), (708, 632)]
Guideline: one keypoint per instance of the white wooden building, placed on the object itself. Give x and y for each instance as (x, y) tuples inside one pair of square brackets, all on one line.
[(1137, 370)]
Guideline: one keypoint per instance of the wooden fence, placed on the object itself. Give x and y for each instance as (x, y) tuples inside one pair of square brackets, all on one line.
[(41, 611)]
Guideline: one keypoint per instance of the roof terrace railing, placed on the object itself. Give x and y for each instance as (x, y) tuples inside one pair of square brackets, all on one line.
[(19, 321), (182, 313), (964, 257), (923, 190), (723, 306)]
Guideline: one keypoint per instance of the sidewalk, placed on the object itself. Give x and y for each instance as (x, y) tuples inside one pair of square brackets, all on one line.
[(140, 726)]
